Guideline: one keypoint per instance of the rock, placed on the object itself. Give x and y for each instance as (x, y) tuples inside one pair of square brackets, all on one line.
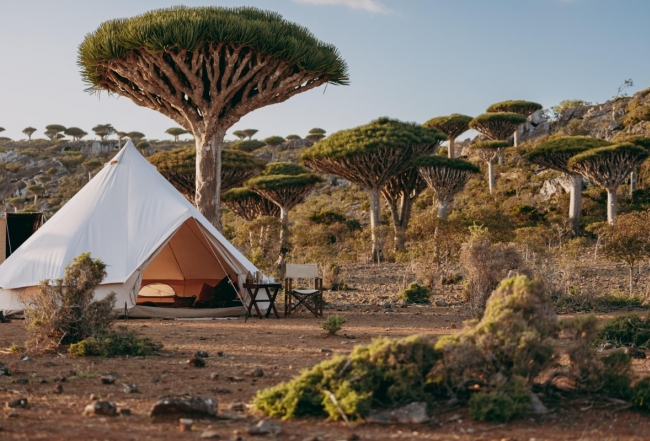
[(13, 415), (221, 354), (556, 186), (238, 407), (453, 326), (58, 389), (413, 413), (608, 346), (48, 363), (26, 358), (4, 370), (108, 379), (350, 336), (130, 389), (19, 403), (235, 379), (635, 352), (536, 405), (93, 397), (210, 434), (3, 319), (185, 424), (125, 412), (214, 376), (441, 303), (59, 379), (21, 381), (326, 350), (264, 427), (201, 354), (229, 415), (106, 408), (190, 406), (196, 362), (256, 372)]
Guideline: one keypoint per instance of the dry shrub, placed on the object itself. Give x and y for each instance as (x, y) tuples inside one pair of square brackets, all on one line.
[(65, 312), (333, 323), (486, 264), (416, 293)]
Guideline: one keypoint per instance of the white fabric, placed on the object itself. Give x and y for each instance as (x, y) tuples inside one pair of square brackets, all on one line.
[(125, 216), (306, 271), (157, 290)]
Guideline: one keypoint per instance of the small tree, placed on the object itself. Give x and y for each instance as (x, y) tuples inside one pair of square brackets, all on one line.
[(239, 134), (29, 131), (90, 166), (248, 204), (638, 140), (75, 132), (136, 137), (274, 142), (121, 136), (400, 193), (249, 132), (36, 190), (370, 156), (315, 135), (176, 132), (285, 184), (628, 240), (249, 145), (53, 131), (452, 126), (65, 311), (555, 154), (497, 127), (104, 131), (609, 167), (142, 145), (489, 152), (206, 68), (524, 108), (292, 137), (446, 177)]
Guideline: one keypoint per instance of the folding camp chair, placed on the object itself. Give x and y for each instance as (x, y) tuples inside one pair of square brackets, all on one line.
[(312, 299)]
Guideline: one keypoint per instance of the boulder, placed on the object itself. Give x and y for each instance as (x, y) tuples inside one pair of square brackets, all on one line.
[(104, 408), (184, 405), (264, 427)]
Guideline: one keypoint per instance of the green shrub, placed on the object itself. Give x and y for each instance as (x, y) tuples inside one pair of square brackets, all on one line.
[(505, 404), (333, 323), (641, 394), (384, 374), (115, 343), (16, 349), (617, 375), (416, 293), (625, 330)]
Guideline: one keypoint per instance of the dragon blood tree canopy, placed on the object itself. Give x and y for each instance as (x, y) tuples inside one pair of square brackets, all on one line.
[(205, 68), (249, 205), (452, 126), (497, 126)]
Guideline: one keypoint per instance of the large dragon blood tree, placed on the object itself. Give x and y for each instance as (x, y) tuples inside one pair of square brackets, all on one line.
[(400, 193), (446, 177), (555, 154), (609, 167), (179, 167), (286, 184), (452, 126), (489, 152), (248, 204), (524, 108), (370, 156), (497, 127), (205, 68)]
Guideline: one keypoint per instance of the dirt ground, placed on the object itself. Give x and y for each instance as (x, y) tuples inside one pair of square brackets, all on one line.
[(281, 348)]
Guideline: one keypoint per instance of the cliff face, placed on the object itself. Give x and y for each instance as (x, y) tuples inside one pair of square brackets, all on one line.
[(619, 115)]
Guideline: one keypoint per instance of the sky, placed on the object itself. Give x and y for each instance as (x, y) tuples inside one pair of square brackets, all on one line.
[(408, 59)]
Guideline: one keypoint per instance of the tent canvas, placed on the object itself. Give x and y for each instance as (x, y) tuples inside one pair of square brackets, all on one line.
[(140, 226)]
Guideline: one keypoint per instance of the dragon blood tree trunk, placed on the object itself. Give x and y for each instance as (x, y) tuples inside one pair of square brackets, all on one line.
[(575, 200), (284, 239), (491, 176), (611, 205), (451, 152), (208, 172), (375, 222), (442, 209), (633, 182)]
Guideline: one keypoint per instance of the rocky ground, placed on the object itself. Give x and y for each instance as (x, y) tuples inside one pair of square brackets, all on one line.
[(244, 357)]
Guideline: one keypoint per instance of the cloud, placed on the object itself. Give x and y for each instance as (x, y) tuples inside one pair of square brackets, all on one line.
[(366, 5)]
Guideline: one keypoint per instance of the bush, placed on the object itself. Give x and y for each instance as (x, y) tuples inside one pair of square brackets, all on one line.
[(333, 323), (625, 330), (513, 401), (641, 394), (115, 343), (65, 312), (416, 293), (384, 374)]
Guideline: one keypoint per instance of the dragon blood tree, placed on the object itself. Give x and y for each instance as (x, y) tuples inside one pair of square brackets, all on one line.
[(248, 205), (205, 68), (400, 193), (497, 127), (446, 177), (488, 152), (524, 108), (286, 184), (178, 166), (370, 156), (609, 167), (555, 154), (452, 126), (637, 140)]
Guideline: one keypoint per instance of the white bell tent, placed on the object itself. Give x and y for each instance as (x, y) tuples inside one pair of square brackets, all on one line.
[(142, 228)]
